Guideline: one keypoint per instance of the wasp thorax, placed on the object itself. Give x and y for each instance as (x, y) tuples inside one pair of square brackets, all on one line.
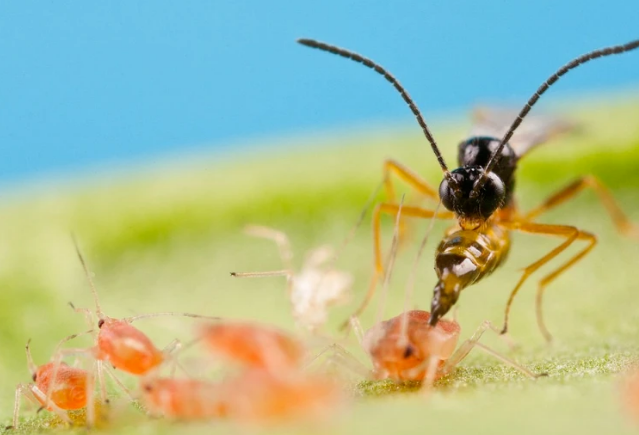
[(472, 208)]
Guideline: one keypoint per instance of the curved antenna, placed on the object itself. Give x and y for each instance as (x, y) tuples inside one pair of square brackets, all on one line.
[(617, 49), (377, 68)]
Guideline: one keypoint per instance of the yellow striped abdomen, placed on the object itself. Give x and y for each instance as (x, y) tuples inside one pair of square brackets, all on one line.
[(463, 258)]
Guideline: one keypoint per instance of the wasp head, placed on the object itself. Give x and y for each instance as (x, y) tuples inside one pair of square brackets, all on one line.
[(472, 209)]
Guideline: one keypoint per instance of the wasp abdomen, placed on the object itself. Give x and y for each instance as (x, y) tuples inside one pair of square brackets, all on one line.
[(463, 258)]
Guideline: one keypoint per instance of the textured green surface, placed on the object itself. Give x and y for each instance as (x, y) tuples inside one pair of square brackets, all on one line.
[(166, 237)]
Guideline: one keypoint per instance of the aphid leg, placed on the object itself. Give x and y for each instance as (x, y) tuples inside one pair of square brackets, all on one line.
[(33, 394), (100, 375), (119, 383), (21, 391), (473, 342), (90, 393), (622, 223), (337, 355), (170, 352), (431, 372), (392, 209), (570, 234), (280, 239), (357, 328)]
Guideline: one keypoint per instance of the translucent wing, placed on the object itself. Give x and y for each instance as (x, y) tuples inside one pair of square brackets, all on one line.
[(533, 131)]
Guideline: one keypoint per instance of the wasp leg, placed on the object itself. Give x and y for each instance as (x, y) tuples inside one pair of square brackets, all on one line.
[(414, 181), (622, 223), (570, 234), (392, 209), (405, 174)]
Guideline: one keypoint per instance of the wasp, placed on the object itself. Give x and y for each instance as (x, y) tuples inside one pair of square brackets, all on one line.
[(479, 194)]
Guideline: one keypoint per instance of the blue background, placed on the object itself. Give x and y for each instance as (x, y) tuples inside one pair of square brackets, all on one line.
[(92, 83)]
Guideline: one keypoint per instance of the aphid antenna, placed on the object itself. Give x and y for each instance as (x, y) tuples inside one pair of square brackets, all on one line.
[(390, 263), (283, 272), (168, 313), (393, 81), (410, 284), (33, 368), (603, 52), (87, 273)]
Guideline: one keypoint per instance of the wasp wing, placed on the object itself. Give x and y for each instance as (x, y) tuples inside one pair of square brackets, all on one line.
[(533, 131)]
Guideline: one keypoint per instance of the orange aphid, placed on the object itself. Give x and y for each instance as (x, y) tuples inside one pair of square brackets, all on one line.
[(68, 385), (401, 347), (121, 344), (630, 389), (259, 396), (126, 347), (255, 395), (406, 348), (253, 345), (56, 387), (185, 399)]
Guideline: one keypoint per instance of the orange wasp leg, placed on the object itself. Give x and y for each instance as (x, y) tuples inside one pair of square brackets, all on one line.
[(392, 209), (570, 234), (405, 174), (414, 181), (622, 223)]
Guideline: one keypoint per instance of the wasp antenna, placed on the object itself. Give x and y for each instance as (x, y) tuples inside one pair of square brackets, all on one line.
[(389, 77), (98, 310), (608, 51)]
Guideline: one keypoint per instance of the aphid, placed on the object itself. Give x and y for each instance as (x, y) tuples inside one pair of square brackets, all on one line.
[(254, 395), (313, 289), (253, 345), (408, 348), (183, 399), (270, 384), (630, 393), (120, 344), (479, 195), (56, 387)]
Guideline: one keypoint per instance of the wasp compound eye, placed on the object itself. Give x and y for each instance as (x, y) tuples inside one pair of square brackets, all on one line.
[(447, 195), (100, 323)]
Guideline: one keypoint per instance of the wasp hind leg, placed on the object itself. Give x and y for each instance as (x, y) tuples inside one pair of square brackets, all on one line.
[(571, 234)]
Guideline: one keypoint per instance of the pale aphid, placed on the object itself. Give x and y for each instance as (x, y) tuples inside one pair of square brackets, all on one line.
[(315, 288)]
